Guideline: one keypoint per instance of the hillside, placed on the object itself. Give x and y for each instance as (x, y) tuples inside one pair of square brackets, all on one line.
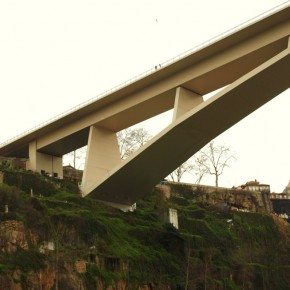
[(51, 238)]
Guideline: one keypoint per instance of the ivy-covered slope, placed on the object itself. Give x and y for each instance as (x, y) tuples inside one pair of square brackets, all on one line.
[(70, 242)]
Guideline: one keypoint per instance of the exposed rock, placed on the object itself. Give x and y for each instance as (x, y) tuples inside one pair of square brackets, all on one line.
[(63, 273), (68, 278), (47, 278), (253, 201), (6, 282), (81, 266), (12, 236)]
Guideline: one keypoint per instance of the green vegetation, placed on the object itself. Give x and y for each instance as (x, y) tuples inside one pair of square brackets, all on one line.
[(213, 248)]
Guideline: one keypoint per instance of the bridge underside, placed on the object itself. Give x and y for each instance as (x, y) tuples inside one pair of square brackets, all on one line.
[(252, 66), (189, 133)]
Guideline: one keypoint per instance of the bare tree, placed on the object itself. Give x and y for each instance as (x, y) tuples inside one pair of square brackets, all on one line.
[(191, 166), (131, 139), (57, 231), (198, 170), (76, 157), (185, 167), (214, 159)]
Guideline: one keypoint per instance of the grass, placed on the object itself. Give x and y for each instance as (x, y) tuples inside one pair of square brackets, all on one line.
[(206, 250)]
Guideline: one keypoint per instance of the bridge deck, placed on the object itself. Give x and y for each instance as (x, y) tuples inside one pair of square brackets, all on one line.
[(254, 65), (184, 137)]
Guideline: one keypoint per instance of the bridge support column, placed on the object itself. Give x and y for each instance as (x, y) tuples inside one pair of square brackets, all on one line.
[(102, 155), (44, 163), (185, 100)]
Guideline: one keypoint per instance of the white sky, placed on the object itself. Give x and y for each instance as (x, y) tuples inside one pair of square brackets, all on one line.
[(57, 54)]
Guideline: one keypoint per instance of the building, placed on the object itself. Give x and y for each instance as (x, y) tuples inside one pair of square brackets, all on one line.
[(285, 195), (71, 173), (256, 186), (279, 196), (287, 189)]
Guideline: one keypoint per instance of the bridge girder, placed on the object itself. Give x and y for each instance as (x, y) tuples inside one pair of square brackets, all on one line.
[(253, 63)]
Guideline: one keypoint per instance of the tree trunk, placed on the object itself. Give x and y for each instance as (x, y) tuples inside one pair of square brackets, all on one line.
[(216, 180)]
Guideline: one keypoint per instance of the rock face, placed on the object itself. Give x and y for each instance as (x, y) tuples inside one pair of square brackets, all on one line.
[(15, 237), (238, 199), (12, 236), (63, 272)]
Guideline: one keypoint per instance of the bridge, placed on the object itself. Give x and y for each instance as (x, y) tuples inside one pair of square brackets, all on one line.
[(249, 66), (280, 203)]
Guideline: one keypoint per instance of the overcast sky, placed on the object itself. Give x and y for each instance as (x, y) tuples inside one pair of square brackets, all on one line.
[(57, 54)]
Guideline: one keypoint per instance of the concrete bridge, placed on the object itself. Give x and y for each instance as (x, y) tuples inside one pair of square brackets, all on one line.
[(251, 65)]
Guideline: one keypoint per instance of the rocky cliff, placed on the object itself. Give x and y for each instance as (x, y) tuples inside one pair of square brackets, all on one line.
[(236, 199), (15, 238), (63, 241)]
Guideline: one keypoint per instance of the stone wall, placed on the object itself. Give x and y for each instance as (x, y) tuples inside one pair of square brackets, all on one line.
[(254, 201)]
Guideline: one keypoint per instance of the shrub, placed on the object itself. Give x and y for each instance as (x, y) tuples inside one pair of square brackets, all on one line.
[(26, 180), (24, 260)]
